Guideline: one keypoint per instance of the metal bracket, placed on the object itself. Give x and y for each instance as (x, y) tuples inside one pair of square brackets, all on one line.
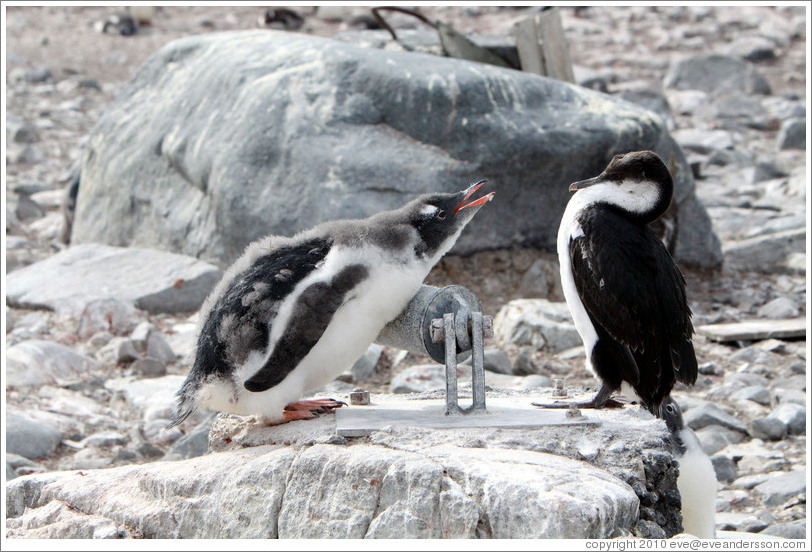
[(455, 327)]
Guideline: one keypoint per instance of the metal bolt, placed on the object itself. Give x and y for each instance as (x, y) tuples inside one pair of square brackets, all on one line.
[(487, 327), (558, 388), (573, 412), (437, 330), (359, 397)]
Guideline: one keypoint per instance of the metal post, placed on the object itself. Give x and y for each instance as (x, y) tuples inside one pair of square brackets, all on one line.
[(478, 363), (451, 402)]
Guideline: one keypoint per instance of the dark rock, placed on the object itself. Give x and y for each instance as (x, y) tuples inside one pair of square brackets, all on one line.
[(724, 467), (377, 126), (767, 428), (29, 438), (716, 73), (780, 307), (652, 100), (155, 281), (195, 443), (792, 134), (497, 361), (646, 529), (765, 253), (714, 438), (38, 75), (364, 367)]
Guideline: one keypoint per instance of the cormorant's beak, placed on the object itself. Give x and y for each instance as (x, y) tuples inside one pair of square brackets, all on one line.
[(469, 192), (581, 184)]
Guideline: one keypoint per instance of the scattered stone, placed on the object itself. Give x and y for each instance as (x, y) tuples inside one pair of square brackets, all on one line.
[(766, 253), (793, 416), (756, 393), (704, 141), (364, 367), (37, 75), (768, 428), (724, 467), (418, 379), (779, 489), (792, 134), (27, 209), (195, 443), (780, 307), (149, 367), (792, 530), (34, 363), (714, 438), (497, 361), (153, 398), (746, 523), (29, 438), (709, 414), (536, 322), (107, 314), (789, 396), (104, 439), (151, 280), (716, 73), (752, 48)]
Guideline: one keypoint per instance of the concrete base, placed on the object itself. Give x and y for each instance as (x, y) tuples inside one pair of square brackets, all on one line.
[(512, 412)]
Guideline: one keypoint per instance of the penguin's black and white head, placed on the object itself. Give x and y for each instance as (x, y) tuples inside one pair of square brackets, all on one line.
[(671, 413), (637, 183), (436, 220)]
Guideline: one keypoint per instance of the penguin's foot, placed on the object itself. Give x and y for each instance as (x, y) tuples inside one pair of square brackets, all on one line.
[(317, 406)]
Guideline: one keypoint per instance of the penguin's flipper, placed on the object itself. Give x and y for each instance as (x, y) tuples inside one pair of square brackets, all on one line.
[(312, 313)]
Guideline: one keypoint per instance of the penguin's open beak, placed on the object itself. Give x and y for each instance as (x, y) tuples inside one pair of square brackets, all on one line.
[(469, 192), (581, 184)]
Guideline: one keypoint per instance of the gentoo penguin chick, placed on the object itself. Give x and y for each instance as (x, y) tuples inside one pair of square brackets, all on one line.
[(625, 292), (696, 482), (292, 313)]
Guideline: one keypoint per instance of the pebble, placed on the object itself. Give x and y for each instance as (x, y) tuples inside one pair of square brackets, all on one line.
[(149, 367), (747, 523), (36, 362), (793, 416), (724, 467), (792, 530), (108, 314), (780, 307), (364, 367), (755, 393), (792, 134), (782, 487), (714, 438), (709, 414), (768, 428), (29, 438)]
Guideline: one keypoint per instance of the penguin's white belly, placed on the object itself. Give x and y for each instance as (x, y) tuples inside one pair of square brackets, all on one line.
[(697, 486), (354, 326)]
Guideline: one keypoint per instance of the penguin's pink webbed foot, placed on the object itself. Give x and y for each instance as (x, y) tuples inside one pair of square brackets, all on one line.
[(316, 406)]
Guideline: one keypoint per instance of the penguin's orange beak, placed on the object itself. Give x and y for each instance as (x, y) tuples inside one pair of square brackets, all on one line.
[(469, 192)]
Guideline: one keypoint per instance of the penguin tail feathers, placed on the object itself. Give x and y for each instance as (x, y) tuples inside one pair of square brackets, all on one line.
[(187, 401)]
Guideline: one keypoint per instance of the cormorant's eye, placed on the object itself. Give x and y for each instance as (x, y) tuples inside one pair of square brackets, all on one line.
[(441, 214)]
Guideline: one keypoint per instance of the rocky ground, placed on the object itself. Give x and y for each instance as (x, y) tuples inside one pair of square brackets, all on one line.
[(113, 370)]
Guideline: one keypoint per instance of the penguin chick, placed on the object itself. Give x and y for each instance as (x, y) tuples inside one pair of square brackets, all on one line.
[(625, 292), (292, 313), (697, 481)]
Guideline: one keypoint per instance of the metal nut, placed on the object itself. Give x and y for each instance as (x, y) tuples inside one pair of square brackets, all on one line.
[(359, 397)]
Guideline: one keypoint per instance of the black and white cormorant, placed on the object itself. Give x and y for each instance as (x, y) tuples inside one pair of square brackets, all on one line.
[(625, 292), (292, 313)]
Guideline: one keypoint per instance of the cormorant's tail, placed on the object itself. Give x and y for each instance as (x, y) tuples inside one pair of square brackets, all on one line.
[(685, 365), (187, 399)]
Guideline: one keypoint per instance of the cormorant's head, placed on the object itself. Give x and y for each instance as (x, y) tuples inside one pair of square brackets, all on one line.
[(637, 182), (439, 218)]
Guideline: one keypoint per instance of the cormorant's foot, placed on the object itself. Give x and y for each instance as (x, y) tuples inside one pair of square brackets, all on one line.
[(611, 402), (317, 406)]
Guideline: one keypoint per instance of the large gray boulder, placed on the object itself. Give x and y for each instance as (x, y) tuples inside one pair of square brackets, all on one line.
[(222, 138), (301, 480)]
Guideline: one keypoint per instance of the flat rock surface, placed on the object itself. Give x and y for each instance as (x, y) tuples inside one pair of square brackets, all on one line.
[(155, 281)]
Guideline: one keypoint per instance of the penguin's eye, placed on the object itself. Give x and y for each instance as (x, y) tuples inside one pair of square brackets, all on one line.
[(440, 214), (669, 408)]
